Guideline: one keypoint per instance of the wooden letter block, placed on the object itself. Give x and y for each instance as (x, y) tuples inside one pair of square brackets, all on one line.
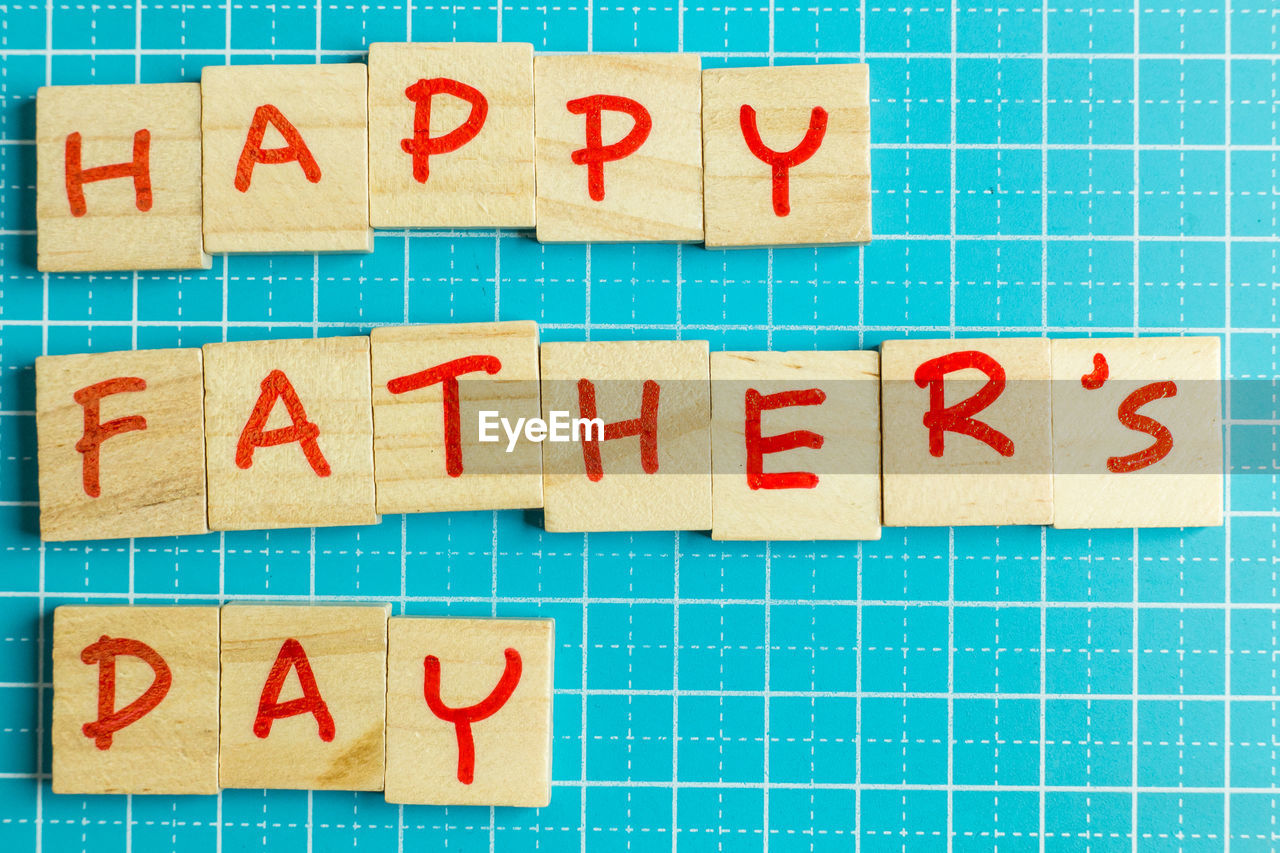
[(303, 696), (619, 147), (135, 700), (967, 432), (1137, 432), (451, 135), (286, 158), (432, 385), (651, 401), (118, 178), (820, 413), (787, 155), (289, 433), (121, 444), (469, 711)]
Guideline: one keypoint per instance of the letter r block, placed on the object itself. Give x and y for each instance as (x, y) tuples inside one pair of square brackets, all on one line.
[(127, 426), (814, 195), (497, 673), (168, 662)]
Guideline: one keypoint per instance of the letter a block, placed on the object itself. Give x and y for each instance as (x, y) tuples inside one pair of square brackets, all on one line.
[(303, 696), (652, 471), (795, 445), (451, 135), (430, 384), (1137, 431), (967, 432), (787, 155), (289, 433), (286, 158), (135, 700), (619, 147), (120, 444), (469, 711), (118, 178)]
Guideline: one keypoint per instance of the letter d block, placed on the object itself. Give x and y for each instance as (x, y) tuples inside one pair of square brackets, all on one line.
[(135, 700), (469, 711), (121, 444), (303, 696), (118, 178)]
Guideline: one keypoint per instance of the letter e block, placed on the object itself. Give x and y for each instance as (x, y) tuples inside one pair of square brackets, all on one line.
[(429, 385), (966, 432), (787, 155), (451, 135), (118, 178), (303, 696), (1137, 432), (795, 445), (469, 711), (135, 700), (289, 433), (121, 444)]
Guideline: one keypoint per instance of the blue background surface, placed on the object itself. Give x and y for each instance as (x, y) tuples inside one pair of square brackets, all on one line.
[(1038, 689)]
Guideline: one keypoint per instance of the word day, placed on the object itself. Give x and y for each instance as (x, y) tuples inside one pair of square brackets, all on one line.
[(664, 435), (310, 158)]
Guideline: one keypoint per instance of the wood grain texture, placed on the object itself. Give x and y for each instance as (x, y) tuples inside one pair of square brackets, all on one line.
[(512, 746), (829, 192), (655, 193), (970, 483), (677, 496), (113, 233), (488, 182), (151, 482), (282, 488), (409, 427), (844, 503), (173, 748), (1184, 488), (346, 649), (282, 210)]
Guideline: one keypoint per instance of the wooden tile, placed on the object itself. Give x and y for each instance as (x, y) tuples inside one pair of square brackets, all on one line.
[(267, 467), (286, 158), (495, 672), (772, 479), (118, 178), (415, 470), (471, 166), (948, 477), (121, 445), (675, 492), (165, 659), (1137, 432), (653, 193), (303, 696), (825, 197)]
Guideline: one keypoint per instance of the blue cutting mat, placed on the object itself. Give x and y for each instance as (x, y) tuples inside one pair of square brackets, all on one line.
[(1030, 688)]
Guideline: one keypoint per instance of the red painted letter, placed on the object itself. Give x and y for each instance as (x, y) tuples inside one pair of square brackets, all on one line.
[(782, 161), (596, 154), (270, 708), (295, 151), (645, 426), (423, 144), (942, 418), (90, 443), (1128, 415), (448, 374), (110, 721), (462, 718), (278, 387), (757, 446), (1096, 378), (139, 169)]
